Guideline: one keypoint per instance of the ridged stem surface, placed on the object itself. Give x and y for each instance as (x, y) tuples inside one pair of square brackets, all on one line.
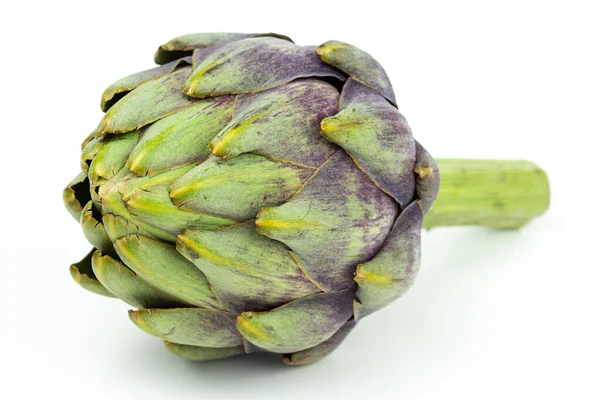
[(502, 194)]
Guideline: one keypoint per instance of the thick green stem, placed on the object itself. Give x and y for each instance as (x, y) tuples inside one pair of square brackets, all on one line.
[(501, 194)]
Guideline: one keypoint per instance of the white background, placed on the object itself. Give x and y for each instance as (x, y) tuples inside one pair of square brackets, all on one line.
[(493, 315)]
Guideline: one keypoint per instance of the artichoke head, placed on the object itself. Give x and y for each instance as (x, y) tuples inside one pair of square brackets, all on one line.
[(252, 195)]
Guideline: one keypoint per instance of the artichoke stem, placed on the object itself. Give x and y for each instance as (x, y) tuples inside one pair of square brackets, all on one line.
[(501, 194)]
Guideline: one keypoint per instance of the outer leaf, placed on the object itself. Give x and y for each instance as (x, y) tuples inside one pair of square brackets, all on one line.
[(428, 178), (200, 54), (338, 219), (282, 123), (102, 189), (298, 325), (131, 182), (94, 230), (183, 45), (83, 274), (164, 268), (112, 203), (116, 227), (255, 64), (378, 139), (88, 139), (359, 64), (247, 270), (129, 287), (111, 157), (321, 350), (154, 206), (191, 326), (392, 271), (120, 88), (181, 138), (89, 151), (197, 353), (250, 348), (76, 194), (149, 102), (237, 188)]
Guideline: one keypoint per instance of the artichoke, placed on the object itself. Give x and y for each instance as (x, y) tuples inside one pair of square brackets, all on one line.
[(253, 195)]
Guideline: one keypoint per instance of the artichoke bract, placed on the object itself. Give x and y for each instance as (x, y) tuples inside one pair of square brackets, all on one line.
[(252, 195)]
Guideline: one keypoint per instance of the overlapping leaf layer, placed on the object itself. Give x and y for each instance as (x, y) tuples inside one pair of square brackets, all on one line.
[(250, 194)]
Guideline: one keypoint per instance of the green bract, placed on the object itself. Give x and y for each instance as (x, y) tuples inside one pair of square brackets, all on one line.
[(250, 194)]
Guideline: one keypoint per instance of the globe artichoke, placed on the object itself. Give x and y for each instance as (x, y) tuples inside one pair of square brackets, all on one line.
[(253, 195)]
